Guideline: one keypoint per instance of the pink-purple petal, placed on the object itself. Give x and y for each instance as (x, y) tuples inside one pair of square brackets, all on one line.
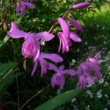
[(75, 37), (54, 57), (94, 61), (28, 4), (70, 72), (81, 5), (58, 80), (76, 24), (64, 26), (15, 32), (46, 36), (34, 68), (52, 67)]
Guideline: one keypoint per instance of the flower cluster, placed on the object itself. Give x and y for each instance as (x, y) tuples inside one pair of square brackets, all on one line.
[(31, 49)]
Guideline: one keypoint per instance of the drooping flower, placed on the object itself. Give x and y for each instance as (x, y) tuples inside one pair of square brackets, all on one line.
[(31, 45), (76, 24), (66, 36), (85, 71), (58, 79), (44, 64), (81, 5), (22, 6)]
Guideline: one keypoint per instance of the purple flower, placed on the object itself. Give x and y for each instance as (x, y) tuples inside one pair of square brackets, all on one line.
[(85, 70), (44, 64), (66, 36), (31, 46), (76, 24), (22, 6), (81, 5), (58, 79)]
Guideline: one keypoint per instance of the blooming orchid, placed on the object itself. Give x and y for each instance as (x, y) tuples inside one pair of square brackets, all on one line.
[(84, 73), (44, 64), (31, 45), (66, 36), (22, 6), (58, 79)]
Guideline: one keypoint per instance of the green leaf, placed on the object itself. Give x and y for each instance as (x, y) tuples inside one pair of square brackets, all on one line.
[(58, 100), (4, 83)]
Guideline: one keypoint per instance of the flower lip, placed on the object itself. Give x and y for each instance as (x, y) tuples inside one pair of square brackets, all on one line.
[(81, 5)]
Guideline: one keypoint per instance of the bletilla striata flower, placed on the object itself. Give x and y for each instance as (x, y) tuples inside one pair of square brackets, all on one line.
[(85, 71), (58, 79), (44, 64), (31, 45), (81, 5), (66, 36), (22, 6)]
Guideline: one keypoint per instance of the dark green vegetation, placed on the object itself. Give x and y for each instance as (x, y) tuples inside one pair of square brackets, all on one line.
[(19, 86)]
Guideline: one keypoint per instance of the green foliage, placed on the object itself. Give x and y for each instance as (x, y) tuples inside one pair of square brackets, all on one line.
[(95, 20), (5, 78), (58, 100)]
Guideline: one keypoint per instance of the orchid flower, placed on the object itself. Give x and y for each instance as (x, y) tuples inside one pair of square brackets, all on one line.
[(58, 79), (66, 36), (22, 6), (84, 73), (44, 64), (81, 5), (31, 46)]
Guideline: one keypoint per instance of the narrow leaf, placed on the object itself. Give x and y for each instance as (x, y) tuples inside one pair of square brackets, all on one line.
[(58, 100)]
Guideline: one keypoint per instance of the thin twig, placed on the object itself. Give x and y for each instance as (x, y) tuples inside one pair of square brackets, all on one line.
[(62, 17), (33, 97)]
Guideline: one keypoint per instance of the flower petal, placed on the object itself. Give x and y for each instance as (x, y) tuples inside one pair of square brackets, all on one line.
[(28, 4), (54, 57), (70, 72), (15, 32), (44, 66), (81, 5), (76, 24), (58, 80), (65, 42), (34, 68), (97, 55), (75, 37), (64, 26), (53, 67), (61, 68), (46, 36), (94, 61)]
